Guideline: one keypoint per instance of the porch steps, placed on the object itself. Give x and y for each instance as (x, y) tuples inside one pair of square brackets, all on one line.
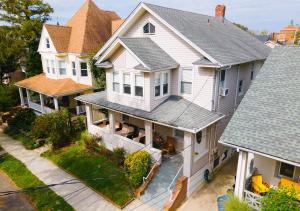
[(157, 194)]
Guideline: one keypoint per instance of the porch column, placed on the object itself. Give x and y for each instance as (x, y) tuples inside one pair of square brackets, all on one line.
[(188, 154), (149, 133), (112, 122), (241, 174), (56, 106), (42, 103), (89, 117), (28, 96), (21, 96)]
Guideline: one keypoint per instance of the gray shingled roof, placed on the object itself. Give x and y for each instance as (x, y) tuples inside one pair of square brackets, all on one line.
[(222, 40), (204, 62), (150, 54), (175, 111), (268, 118)]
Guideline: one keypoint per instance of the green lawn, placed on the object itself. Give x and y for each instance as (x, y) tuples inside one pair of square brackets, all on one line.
[(26, 141), (96, 171), (44, 199)]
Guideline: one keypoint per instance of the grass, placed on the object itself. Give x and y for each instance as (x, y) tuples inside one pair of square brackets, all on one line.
[(96, 171), (44, 199), (27, 142)]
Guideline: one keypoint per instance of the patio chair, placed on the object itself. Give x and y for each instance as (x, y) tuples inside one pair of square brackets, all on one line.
[(141, 136), (169, 146), (126, 130), (258, 185)]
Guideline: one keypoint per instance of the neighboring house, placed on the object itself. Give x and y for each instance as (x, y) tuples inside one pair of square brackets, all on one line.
[(65, 52), (287, 35), (267, 40), (173, 77), (266, 127)]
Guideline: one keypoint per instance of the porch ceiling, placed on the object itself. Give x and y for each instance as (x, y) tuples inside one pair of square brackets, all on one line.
[(175, 112), (52, 87)]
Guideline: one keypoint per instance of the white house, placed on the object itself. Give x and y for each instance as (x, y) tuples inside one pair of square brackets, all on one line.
[(174, 79), (266, 127), (65, 52)]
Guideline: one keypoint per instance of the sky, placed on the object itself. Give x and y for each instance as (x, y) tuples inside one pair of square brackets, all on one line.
[(257, 15)]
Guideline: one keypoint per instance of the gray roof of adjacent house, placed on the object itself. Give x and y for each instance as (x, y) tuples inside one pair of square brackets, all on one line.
[(175, 111), (153, 57), (204, 62), (268, 119), (263, 38), (219, 38)]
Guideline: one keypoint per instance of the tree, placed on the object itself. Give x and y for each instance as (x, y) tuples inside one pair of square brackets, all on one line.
[(297, 40), (26, 19), (98, 73), (245, 28)]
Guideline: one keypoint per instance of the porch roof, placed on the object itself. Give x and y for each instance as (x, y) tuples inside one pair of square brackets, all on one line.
[(52, 87), (175, 112)]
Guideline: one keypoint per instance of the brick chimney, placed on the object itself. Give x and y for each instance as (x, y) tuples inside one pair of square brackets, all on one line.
[(220, 10)]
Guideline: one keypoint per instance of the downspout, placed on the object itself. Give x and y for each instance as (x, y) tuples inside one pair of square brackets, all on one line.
[(216, 91), (237, 85)]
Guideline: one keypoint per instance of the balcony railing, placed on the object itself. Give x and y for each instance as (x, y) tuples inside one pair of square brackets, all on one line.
[(253, 199)]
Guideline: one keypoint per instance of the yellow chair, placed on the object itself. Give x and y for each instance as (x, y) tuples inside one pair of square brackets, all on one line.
[(258, 185), (290, 184)]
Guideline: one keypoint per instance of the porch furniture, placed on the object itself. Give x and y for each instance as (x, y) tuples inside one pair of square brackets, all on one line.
[(258, 185), (169, 146), (126, 130), (158, 141), (290, 184), (141, 137)]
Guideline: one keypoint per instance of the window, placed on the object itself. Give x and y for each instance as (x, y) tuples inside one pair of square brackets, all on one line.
[(83, 69), (53, 66), (199, 137), (179, 133), (241, 87), (62, 67), (157, 84), (74, 68), (116, 82), (165, 83), (286, 170), (139, 83), (252, 72), (47, 43), (47, 66), (149, 28), (186, 80), (127, 83), (222, 78)]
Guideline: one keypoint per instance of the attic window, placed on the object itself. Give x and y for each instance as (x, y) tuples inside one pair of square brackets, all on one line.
[(149, 28), (47, 43)]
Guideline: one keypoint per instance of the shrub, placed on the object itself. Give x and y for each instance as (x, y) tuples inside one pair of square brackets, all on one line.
[(136, 167), (233, 203), (23, 120), (119, 155), (79, 123), (90, 142), (282, 199), (41, 126), (9, 97)]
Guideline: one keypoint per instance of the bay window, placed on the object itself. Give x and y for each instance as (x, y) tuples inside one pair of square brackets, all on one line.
[(127, 83), (157, 84), (47, 66), (83, 69), (74, 68), (116, 82), (53, 66), (186, 80), (165, 83), (139, 84), (62, 67)]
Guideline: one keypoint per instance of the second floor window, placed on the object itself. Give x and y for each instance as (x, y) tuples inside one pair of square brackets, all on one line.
[(62, 67), (48, 66), (127, 83), (83, 69), (241, 87), (53, 66), (149, 28), (165, 83), (252, 71), (222, 78), (157, 84), (116, 82), (186, 81), (47, 43), (74, 68), (139, 83)]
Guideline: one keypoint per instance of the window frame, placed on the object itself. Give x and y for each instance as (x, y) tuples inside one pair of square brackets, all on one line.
[(240, 87), (182, 81), (81, 69), (118, 83), (159, 85), (135, 85), (60, 68), (222, 83), (48, 68), (148, 25), (53, 66), (48, 45), (73, 66), (165, 83), (127, 84), (252, 72), (279, 171)]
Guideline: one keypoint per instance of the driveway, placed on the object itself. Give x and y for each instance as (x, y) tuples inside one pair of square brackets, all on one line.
[(15, 202), (205, 198)]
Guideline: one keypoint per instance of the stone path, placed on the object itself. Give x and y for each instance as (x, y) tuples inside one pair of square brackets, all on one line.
[(79, 196), (14, 202)]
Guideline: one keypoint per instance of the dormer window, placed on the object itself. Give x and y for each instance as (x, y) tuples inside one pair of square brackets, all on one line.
[(149, 28), (47, 43)]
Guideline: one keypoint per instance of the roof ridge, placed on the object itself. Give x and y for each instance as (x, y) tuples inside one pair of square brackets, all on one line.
[(49, 24)]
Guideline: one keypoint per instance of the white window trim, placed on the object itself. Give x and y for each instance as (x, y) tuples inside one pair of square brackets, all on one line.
[(284, 175), (120, 84), (48, 43), (140, 74), (74, 68), (149, 28), (59, 72), (161, 84), (87, 69), (180, 79)]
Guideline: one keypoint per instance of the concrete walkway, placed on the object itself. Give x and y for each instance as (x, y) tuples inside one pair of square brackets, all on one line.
[(79, 196), (205, 198)]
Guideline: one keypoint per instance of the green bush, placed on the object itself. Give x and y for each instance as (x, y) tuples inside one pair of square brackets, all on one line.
[(282, 199), (9, 97), (23, 120), (79, 123), (41, 126), (234, 203), (136, 167), (119, 155), (90, 142)]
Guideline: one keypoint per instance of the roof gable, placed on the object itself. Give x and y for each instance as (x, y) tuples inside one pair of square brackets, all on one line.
[(60, 36)]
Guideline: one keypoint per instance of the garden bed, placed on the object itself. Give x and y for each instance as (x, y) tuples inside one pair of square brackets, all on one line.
[(43, 199), (98, 172)]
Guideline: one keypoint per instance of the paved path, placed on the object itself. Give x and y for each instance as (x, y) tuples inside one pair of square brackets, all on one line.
[(79, 196), (15, 202), (205, 198)]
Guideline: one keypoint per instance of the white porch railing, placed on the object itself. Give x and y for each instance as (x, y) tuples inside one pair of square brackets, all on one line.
[(38, 107), (253, 199)]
